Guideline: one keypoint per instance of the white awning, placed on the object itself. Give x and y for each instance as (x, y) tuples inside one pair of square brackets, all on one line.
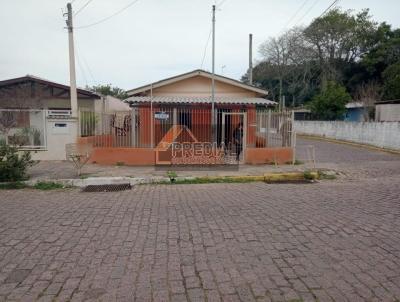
[(200, 100)]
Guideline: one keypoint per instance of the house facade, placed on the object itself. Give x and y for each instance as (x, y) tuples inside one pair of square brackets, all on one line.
[(180, 110)]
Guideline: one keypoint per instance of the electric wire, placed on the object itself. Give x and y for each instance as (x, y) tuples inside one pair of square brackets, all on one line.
[(109, 17), (83, 7)]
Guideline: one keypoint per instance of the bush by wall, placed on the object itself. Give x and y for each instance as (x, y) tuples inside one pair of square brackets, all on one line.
[(13, 164)]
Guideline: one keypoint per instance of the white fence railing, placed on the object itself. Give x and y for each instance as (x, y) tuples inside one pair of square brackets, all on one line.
[(146, 128)]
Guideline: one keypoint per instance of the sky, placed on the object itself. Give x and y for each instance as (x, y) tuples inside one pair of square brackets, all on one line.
[(152, 39)]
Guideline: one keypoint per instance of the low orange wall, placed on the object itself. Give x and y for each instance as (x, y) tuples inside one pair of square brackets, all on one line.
[(268, 155), (97, 140), (127, 156)]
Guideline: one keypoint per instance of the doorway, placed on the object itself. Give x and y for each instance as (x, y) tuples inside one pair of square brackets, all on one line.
[(233, 138)]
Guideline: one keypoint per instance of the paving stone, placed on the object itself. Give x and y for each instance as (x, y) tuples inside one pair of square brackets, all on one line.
[(332, 241)]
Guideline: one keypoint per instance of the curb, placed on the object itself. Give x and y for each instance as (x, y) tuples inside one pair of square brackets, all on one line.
[(266, 177)]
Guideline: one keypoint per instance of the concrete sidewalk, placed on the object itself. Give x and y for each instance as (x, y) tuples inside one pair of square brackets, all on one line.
[(47, 170)]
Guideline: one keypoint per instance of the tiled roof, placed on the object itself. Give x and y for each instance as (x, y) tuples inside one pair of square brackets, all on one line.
[(200, 100)]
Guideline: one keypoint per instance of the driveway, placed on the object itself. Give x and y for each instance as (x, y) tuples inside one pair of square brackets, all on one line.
[(330, 241)]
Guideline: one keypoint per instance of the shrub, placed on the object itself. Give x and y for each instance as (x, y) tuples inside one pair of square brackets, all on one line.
[(330, 104), (13, 165), (44, 185)]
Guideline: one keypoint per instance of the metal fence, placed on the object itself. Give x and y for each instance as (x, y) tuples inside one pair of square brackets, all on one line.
[(146, 127), (23, 128)]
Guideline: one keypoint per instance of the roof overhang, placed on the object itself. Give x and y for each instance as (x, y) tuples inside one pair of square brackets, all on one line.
[(388, 102), (194, 73), (199, 100), (30, 78)]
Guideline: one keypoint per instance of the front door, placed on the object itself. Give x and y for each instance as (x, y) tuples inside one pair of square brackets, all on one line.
[(234, 138)]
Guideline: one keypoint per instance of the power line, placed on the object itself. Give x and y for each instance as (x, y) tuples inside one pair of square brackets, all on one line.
[(83, 7), (220, 4), (81, 68), (205, 49), (325, 11), (109, 17), (307, 12), (85, 64), (296, 13), (330, 6)]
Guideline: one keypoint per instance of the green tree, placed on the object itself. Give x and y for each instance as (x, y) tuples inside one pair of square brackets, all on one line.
[(386, 52), (391, 80), (109, 90), (330, 103), (340, 36)]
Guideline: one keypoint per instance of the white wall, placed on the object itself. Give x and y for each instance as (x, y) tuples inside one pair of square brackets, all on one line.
[(387, 113), (57, 138), (380, 134)]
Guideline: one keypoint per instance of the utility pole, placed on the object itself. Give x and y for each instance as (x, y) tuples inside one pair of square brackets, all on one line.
[(72, 74), (250, 59), (213, 78)]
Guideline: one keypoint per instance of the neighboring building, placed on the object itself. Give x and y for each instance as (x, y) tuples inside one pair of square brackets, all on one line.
[(112, 104), (387, 111), (302, 114), (32, 92), (35, 114), (355, 112)]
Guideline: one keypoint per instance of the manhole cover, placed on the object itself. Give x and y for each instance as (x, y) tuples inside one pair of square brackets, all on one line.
[(107, 188)]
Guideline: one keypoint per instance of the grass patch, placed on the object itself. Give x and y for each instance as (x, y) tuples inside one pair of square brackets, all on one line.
[(12, 186), (323, 175), (308, 175), (296, 162), (120, 163), (48, 185)]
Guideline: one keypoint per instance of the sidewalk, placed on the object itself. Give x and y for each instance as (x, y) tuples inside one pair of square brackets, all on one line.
[(47, 170)]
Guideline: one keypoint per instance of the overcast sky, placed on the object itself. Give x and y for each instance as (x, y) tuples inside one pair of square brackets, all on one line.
[(152, 39)]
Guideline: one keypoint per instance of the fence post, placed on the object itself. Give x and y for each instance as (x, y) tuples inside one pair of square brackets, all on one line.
[(293, 138), (268, 128), (133, 126)]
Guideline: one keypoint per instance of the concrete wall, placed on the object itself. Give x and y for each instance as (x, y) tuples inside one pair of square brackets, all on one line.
[(383, 135), (59, 133), (387, 113)]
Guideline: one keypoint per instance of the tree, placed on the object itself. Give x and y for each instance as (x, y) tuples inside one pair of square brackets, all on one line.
[(391, 80), (109, 90), (386, 51), (340, 36), (368, 94), (284, 54), (330, 103)]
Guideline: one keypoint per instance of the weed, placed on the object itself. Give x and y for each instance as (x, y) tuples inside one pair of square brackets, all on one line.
[(308, 175), (12, 186), (323, 175), (172, 176), (120, 163), (48, 185)]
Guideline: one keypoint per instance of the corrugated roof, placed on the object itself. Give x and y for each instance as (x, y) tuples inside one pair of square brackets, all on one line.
[(200, 100)]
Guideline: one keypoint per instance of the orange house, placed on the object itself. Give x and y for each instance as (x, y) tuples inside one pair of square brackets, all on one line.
[(182, 106)]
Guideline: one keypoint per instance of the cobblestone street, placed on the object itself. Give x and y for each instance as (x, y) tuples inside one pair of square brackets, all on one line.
[(336, 240)]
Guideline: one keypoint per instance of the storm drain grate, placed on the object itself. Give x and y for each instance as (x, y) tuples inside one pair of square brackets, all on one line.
[(107, 188)]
